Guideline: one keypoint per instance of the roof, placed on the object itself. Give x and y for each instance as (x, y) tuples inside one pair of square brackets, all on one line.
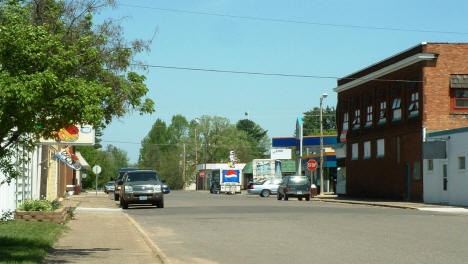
[(448, 132)]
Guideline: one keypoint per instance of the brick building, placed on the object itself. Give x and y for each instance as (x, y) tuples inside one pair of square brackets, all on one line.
[(385, 110)]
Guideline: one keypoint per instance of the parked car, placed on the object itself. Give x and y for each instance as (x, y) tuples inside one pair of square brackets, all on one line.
[(294, 186), (215, 187), (264, 188), (141, 187), (109, 187), (118, 179), (165, 189)]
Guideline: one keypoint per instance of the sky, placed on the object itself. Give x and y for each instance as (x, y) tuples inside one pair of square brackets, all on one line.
[(323, 38)]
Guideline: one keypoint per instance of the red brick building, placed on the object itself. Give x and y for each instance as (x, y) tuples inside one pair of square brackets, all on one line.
[(384, 110)]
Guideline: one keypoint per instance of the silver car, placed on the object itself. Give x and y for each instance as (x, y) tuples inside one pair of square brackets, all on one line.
[(265, 188)]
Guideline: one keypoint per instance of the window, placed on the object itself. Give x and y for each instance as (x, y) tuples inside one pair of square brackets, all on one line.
[(367, 150), (461, 163), (444, 177), (369, 116), (460, 99), (355, 151), (430, 165), (413, 109), (380, 148), (357, 119), (416, 171), (396, 108), (382, 112), (345, 121), (459, 92)]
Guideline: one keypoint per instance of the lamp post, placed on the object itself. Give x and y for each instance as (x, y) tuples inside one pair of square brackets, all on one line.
[(196, 148), (324, 95)]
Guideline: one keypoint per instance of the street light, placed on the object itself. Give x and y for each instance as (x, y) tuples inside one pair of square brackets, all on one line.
[(197, 121), (324, 95)]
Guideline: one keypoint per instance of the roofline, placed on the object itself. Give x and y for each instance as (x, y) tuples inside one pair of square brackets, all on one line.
[(380, 61), (386, 70)]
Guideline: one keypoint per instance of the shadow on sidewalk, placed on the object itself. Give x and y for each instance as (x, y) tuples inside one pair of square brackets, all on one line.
[(63, 255)]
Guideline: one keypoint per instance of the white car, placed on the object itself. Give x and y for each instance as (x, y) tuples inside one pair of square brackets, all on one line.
[(265, 187)]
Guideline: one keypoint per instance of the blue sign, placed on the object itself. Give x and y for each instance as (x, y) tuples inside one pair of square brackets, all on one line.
[(231, 176)]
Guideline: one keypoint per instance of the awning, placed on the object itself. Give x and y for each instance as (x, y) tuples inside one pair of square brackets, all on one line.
[(83, 162)]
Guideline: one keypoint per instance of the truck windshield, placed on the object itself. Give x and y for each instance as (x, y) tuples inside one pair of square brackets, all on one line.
[(150, 176), (298, 180)]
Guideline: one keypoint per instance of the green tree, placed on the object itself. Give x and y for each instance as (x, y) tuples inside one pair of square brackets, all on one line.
[(312, 121), (58, 69), (258, 138)]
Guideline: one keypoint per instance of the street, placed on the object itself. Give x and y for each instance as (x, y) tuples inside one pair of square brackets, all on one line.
[(198, 227)]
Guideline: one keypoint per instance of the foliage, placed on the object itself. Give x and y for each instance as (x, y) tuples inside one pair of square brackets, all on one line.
[(257, 136), (209, 139), (312, 121), (39, 205), (110, 160), (58, 69), (27, 242), (6, 216)]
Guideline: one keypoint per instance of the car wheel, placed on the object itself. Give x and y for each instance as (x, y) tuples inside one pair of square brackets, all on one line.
[(307, 198), (160, 204), (286, 197), (124, 204), (265, 193), (116, 197), (278, 196), (299, 198)]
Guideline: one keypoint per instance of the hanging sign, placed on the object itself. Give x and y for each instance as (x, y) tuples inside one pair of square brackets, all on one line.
[(70, 159), (71, 135)]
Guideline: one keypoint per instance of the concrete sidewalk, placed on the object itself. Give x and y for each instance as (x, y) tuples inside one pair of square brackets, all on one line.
[(374, 202), (101, 233)]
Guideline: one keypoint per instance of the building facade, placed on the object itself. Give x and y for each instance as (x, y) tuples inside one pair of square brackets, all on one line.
[(384, 111)]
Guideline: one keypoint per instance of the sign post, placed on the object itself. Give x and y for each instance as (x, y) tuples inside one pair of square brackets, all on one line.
[(96, 170)]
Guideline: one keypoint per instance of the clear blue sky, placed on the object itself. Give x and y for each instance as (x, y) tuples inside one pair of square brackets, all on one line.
[(215, 42)]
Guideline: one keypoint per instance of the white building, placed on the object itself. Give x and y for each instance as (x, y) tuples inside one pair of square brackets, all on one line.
[(446, 179)]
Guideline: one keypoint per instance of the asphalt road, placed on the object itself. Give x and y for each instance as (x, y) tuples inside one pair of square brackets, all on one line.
[(198, 227)]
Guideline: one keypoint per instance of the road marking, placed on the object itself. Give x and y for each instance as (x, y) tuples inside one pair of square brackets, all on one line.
[(89, 209), (155, 248), (444, 209)]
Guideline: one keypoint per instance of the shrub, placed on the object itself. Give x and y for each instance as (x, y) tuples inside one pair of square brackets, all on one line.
[(39, 205)]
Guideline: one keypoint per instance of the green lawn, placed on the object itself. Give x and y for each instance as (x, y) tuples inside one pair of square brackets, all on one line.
[(27, 242)]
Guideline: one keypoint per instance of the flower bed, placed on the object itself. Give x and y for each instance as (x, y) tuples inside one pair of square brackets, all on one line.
[(41, 211)]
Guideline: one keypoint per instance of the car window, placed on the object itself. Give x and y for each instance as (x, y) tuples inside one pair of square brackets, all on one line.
[(298, 180), (277, 181), (151, 176)]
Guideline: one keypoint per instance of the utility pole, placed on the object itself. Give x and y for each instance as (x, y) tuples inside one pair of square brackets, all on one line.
[(183, 171), (321, 143)]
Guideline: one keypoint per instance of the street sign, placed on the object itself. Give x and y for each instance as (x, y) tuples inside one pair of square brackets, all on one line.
[(97, 169), (312, 165)]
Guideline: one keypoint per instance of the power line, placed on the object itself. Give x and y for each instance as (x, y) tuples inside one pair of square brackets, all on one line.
[(295, 21), (268, 74)]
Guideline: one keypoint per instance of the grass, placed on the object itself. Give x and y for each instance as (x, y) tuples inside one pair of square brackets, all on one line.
[(27, 242)]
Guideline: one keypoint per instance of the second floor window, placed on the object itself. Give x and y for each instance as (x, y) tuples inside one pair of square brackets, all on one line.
[(382, 112), (345, 121), (357, 119), (369, 116), (396, 108), (414, 104)]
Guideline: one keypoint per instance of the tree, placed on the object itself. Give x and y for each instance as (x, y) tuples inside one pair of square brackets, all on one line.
[(312, 121), (58, 69), (257, 136)]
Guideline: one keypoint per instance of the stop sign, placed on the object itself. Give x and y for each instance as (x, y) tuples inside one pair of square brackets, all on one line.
[(312, 164)]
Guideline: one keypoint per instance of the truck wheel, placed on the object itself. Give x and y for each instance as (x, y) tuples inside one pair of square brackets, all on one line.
[(116, 197), (265, 193), (286, 197), (278, 197), (160, 204), (307, 198), (299, 198)]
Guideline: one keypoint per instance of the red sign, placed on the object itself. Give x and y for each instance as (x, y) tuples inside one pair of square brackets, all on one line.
[(312, 165), (202, 174)]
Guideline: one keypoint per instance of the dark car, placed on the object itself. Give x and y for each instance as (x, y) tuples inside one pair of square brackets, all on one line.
[(141, 187), (294, 186), (165, 189), (119, 178), (215, 187)]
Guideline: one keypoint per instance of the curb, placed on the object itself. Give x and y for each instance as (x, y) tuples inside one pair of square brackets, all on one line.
[(158, 253), (369, 204)]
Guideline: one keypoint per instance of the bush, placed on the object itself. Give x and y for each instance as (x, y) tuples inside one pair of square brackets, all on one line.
[(39, 205)]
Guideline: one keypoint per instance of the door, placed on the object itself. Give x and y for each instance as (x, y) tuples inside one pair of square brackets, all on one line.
[(444, 187), (407, 181)]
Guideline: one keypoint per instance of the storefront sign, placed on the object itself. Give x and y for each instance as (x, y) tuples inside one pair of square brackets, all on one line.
[(70, 159), (72, 135), (231, 176)]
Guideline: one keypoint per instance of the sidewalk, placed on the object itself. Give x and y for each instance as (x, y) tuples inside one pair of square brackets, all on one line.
[(381, 203), (100, 233)]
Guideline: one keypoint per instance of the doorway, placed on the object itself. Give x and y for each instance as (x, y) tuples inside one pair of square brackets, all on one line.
[(407, 181)]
